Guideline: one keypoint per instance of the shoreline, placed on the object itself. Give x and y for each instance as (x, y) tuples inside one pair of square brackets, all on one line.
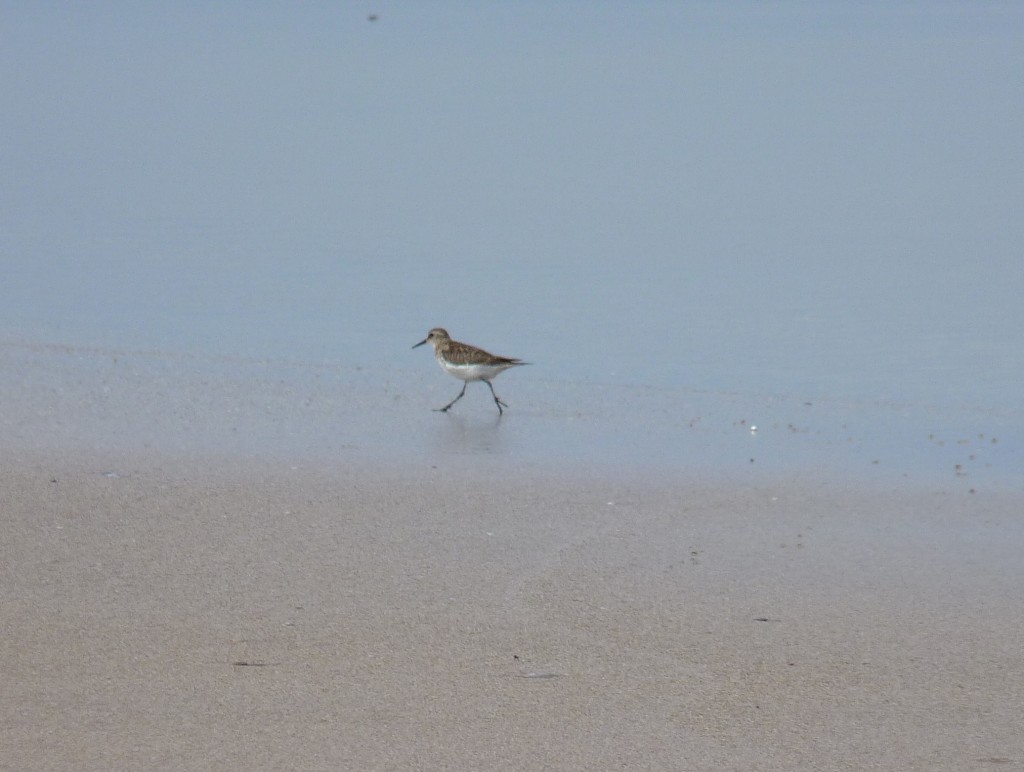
[(175, 612), (86, 399)]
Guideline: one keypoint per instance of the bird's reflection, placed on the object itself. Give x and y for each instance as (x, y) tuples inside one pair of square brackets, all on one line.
[(464, 435)]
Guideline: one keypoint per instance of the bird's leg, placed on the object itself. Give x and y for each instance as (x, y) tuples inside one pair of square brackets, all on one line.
[(445, 408), (497, 401)]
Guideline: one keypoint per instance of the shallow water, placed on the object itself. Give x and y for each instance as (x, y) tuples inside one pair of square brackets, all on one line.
[(302, 412), (690, 219)]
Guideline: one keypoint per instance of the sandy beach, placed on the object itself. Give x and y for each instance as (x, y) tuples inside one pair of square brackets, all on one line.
[(757, 503), (220, 613)]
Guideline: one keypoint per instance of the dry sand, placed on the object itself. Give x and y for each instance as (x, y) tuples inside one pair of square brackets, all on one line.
[(172, 614)]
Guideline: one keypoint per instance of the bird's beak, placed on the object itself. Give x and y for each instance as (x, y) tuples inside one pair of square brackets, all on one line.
[(420, 343)]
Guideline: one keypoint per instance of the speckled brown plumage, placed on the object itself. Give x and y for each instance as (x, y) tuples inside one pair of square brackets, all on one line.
[(467, 363)]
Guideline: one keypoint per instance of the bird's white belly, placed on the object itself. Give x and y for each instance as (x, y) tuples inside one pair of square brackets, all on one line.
[(472, 372)]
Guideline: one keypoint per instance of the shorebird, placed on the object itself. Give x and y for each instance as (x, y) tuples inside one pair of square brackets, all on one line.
[(468, 363)]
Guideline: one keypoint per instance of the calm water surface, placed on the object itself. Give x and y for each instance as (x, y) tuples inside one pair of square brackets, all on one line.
[(690, 219)]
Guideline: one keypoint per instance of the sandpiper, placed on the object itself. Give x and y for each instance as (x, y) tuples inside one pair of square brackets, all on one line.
[(467, 362)]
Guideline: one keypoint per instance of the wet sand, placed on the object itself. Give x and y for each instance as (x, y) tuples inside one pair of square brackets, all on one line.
[(185, 613)]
